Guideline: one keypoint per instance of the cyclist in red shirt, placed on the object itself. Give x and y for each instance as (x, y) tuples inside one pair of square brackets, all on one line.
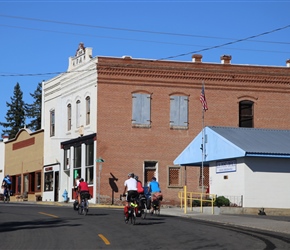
[(83, 188)]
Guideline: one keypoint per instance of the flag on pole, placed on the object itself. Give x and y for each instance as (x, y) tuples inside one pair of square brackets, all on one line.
[(202, 99)]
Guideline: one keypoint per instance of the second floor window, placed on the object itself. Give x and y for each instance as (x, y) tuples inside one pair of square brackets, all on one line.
[(52, 123), (141, 109), (88, 110), (69, 117), (246, 116), (78, 113), (178, 111)]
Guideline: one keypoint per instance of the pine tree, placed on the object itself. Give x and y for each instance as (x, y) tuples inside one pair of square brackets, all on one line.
[(15, 116), (33, 110)]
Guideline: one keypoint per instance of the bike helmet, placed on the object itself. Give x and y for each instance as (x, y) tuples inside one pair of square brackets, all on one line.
[(136, 177), (131, 175), (82, 179), (153, 179)]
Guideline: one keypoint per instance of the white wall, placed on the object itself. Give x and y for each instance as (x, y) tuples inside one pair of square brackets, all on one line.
[(58, 92), (267, 183), (263, 182)]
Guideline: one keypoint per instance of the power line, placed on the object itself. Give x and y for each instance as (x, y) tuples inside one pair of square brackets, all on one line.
[(126, 29), (229, 43)]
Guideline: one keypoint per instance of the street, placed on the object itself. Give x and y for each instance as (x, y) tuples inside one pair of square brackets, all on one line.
[(33, 226)]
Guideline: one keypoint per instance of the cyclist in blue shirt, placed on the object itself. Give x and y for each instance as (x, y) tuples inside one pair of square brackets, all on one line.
[(6, 184)]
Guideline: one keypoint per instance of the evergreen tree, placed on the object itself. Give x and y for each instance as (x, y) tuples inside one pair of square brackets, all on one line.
[(15, 116), (33, 110)]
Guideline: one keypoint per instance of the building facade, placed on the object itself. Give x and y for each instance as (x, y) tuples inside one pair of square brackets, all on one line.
[(143, 113), (24, 163), (69, 122)]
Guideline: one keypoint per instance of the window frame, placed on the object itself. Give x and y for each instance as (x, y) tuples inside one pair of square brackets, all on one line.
[(89, 162), (179, 170), (52, 123), (69, 115), (78, 113), (88, 110), (179, 111), (141, 110), (246, 120)]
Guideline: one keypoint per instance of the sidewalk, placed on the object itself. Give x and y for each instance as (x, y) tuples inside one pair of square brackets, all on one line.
[(280, 224)]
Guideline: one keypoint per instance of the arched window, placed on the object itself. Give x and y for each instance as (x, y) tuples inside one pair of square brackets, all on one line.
[(78, 113), (69, 117), (246, 114), (88, 110)]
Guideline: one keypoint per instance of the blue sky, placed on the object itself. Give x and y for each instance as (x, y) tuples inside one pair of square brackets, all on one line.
[(38, 37)]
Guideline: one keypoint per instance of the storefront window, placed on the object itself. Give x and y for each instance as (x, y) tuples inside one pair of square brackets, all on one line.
[(48, 185)]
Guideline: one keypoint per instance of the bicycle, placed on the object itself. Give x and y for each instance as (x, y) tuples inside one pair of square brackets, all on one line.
[(84, 206), (142, 201), (131, 210), (6, 195), (156, 204)]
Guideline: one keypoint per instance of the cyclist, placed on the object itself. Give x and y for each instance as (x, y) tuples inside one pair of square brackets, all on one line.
[(140, 188), (82, 189), (131, 189), (155, 191), (76, 187), (6, 183)]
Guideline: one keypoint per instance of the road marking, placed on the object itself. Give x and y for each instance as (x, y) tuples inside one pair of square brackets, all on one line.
[(51, 215), (104, 239)]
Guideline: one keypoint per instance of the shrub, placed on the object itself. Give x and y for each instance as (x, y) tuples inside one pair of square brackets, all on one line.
[(222, 201)]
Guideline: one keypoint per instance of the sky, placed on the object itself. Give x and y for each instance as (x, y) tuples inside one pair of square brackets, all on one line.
[(38, 37)]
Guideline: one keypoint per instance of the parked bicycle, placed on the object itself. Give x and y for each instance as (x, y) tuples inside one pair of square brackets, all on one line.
[(84, 206)]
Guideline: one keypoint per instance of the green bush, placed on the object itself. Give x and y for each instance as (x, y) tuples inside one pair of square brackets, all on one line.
[(222, 201)]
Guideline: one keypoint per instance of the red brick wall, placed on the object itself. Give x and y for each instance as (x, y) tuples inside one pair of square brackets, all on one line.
[(125, 148)]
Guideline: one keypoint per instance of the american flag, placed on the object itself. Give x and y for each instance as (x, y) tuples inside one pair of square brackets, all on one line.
[(202, 99)]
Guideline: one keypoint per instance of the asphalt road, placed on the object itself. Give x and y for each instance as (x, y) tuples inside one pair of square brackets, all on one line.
[(32, 226)]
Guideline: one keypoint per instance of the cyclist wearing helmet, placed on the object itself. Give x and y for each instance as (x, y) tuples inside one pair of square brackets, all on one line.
[(140, 188), (131, 189), (6, 183), (83, 188)]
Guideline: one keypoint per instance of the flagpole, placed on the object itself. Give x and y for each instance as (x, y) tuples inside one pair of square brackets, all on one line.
[(202, 150), (204, 108)]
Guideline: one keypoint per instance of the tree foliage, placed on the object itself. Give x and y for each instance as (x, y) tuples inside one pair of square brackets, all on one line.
[(15, 116), (33, 111)]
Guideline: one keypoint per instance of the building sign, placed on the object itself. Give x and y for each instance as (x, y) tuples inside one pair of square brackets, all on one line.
[(226, 166)]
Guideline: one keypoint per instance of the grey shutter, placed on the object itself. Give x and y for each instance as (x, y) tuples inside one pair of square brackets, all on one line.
[(141, 108)]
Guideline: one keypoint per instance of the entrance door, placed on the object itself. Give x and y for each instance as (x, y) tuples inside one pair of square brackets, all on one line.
[(56, 184)]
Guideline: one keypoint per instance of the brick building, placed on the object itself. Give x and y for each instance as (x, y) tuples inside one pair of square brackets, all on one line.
[(111, 116), (166, 95)]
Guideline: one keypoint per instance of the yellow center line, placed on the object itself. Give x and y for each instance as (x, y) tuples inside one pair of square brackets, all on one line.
[(51, 215), (104, 239)]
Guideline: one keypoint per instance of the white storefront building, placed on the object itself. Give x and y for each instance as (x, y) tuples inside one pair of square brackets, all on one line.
[(69, 123)]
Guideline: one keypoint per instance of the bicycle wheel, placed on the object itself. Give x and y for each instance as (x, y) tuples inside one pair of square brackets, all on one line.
[(81, 208), (133, 218), (144, 211), (86, 207)]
